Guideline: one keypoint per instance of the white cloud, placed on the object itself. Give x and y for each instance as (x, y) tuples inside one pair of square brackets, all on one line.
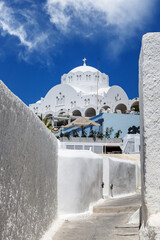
[(28, 21), (123, 15), (10, 24)]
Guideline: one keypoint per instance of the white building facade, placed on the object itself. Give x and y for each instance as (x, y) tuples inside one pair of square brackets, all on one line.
[(84, 91)]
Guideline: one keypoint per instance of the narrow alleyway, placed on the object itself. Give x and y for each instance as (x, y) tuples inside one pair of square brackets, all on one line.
[(108, 222)]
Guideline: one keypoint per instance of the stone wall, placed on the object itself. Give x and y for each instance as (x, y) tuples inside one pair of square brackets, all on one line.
[(149, 81), (79, 180), (28, 176)]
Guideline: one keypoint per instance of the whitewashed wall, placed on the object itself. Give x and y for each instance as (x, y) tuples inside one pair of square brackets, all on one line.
[(122, 174), (138, 176), (28, 176), (79, 180), (149, 81), (106, 189)]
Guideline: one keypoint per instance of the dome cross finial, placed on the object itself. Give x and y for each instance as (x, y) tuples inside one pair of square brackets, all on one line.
[(84, 60)]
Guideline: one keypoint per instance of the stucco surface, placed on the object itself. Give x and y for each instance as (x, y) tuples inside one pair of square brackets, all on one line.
[(131, 157), (28, 176), (149, 82), (122, 174), (79, 180)]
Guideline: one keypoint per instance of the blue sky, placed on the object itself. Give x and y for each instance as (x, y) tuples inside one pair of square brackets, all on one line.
[(41, 40)]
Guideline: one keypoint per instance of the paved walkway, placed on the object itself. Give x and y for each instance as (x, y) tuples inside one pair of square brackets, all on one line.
[(108, 222), (132, 157)]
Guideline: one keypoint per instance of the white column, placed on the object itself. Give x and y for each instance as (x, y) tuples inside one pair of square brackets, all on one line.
[(149, 80)]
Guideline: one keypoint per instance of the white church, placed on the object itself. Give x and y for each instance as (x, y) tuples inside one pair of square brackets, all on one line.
[(84, 91)]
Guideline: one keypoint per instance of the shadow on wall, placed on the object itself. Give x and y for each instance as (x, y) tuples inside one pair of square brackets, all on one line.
[(79, 180), (28, 177), (120, 177)]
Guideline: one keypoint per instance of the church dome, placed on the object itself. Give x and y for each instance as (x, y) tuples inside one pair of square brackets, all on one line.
[(85, 78), (83, 69)]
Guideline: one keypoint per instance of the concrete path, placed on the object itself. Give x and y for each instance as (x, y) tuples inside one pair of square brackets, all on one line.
[(108, 222), (132, 157)]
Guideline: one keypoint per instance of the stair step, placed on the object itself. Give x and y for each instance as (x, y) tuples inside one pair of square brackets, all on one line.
[(126, 234), (127, 226), (119, 209)]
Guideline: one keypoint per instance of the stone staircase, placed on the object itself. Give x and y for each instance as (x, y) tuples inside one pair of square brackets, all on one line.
[(121, 205), (126, 232), (116, 205), (109, 221)]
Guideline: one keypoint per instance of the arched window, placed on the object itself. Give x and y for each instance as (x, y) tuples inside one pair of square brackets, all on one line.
[(61, 113), (97, 78), (76, 113), (49, 116), (87, 77), (57, 100), (135, 106), (90, 112), (63, 99), (104, 109), (121, 107), (78, 77)]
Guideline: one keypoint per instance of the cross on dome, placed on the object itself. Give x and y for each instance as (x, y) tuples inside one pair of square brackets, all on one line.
[(84, 60)]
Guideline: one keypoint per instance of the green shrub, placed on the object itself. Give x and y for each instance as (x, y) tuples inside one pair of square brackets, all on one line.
[(100, 135), (109, 132), (117, 134)]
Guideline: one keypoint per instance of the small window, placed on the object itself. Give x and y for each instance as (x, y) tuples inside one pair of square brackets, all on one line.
[(63, 99)]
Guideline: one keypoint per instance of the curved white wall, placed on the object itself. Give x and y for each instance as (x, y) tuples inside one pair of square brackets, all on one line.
[(85, 77), (28, 176), (122, 174), (115, 96), (79, 180)]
